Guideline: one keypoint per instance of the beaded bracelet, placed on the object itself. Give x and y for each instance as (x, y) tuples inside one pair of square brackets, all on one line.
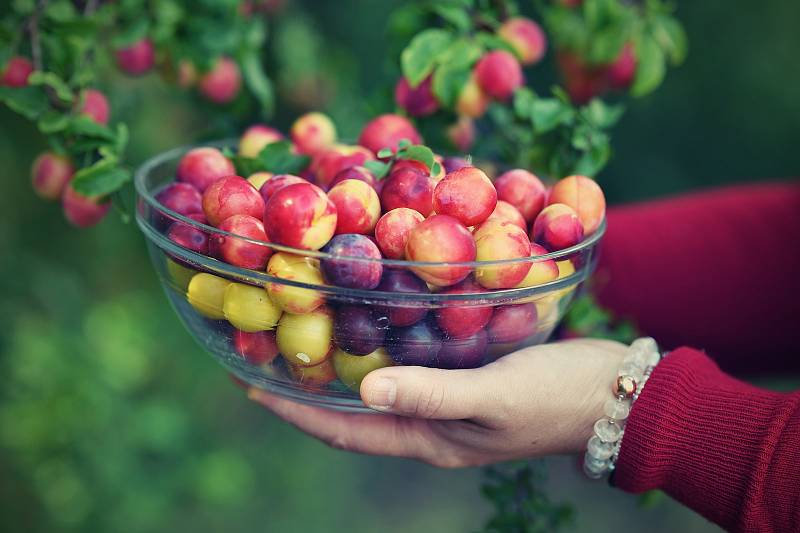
[(603, 447)]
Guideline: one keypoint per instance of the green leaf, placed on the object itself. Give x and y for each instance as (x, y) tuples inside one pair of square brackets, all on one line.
[(419, 152), (448, 81), (379, 169), (592, 161), (457, 16), (602, 115), (461, 52), (30, 102), (523, 102), (672, 37), (133, 33), (606, 45), (100, 179), (384, 153), (436, 169), (493, 42), (52, 122), (86, 127), (278, 158), (61, 11), (548, 113), (422, 53), (52, 80), (402, 144), (650, 68), (258, 82)]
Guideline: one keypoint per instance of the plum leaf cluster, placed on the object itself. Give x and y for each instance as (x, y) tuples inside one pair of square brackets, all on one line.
[(53, 57), (472, 59), (523, 506)]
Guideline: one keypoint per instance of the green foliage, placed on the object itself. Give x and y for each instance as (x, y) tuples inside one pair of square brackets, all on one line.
[(598, 30), (276, 157), (70, 45), (521, 504)]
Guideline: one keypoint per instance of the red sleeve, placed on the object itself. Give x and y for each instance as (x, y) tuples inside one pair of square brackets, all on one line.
[(719, 270), (726, 449)]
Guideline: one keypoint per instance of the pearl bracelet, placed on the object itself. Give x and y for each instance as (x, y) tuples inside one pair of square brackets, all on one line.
[(603, 447)]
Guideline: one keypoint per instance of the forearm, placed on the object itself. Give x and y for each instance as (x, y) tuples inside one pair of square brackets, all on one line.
[(717, 270), (726, 449)]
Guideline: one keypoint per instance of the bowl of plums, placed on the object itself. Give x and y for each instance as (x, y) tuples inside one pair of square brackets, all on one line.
[(302, 263)]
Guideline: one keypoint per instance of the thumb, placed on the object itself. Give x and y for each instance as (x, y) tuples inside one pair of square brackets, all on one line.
[(421, 392)]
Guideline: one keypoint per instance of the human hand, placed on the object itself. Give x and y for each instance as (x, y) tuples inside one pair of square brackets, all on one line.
[(541, 400)]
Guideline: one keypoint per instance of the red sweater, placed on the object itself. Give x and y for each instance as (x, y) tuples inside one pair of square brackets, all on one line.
[(718, 271)]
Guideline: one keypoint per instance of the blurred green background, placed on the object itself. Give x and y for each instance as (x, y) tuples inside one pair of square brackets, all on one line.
[(112, 419)]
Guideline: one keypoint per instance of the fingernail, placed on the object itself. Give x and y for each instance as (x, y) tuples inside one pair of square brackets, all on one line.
[(382, 394), (253, 394)]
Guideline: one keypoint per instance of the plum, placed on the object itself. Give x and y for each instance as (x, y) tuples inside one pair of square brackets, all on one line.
[(358, 330), (392, 230), (466, 194), (353, 274), (300, 215), (249, 309), (200, 167), (416, 344), (386, 131), (460, 319), (464, 352), (402, 281), (221, 84), (441, 238), (499, 74), (357, 206), (258, 348), (50, 174), (238, 250), (231, 195), (137, 58)]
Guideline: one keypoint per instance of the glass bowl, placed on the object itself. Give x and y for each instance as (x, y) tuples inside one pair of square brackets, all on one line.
[(334, 336)]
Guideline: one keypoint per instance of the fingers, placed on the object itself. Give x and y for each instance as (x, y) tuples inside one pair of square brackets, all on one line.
[(426, 392), (373, 434)]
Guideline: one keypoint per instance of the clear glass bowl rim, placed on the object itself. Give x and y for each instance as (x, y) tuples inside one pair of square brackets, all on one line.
[(211, 264)]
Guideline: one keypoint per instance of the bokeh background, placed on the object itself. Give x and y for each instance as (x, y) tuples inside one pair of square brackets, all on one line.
[(112, 419)]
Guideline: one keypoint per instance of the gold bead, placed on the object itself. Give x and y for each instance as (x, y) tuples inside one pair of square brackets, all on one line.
[(625, 386)]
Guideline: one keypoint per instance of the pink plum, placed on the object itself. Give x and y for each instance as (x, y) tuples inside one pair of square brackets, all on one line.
[(386, 131), (499, 240), (499, 74), (557, 227), (313, 132), (410, 188), (418, 101), (50, 174), (460, 319), (201, 167), (231, 195), (523, 190), (393, 228), (222, 83), (583, 195), (83, 211), (441, 238), (357, 207), (137, 58), (255, 138), (466, 194), (300, 215), (16, 72), (525, 37)]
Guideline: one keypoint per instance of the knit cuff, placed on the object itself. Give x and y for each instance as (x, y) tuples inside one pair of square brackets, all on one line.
[(703, 437)]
